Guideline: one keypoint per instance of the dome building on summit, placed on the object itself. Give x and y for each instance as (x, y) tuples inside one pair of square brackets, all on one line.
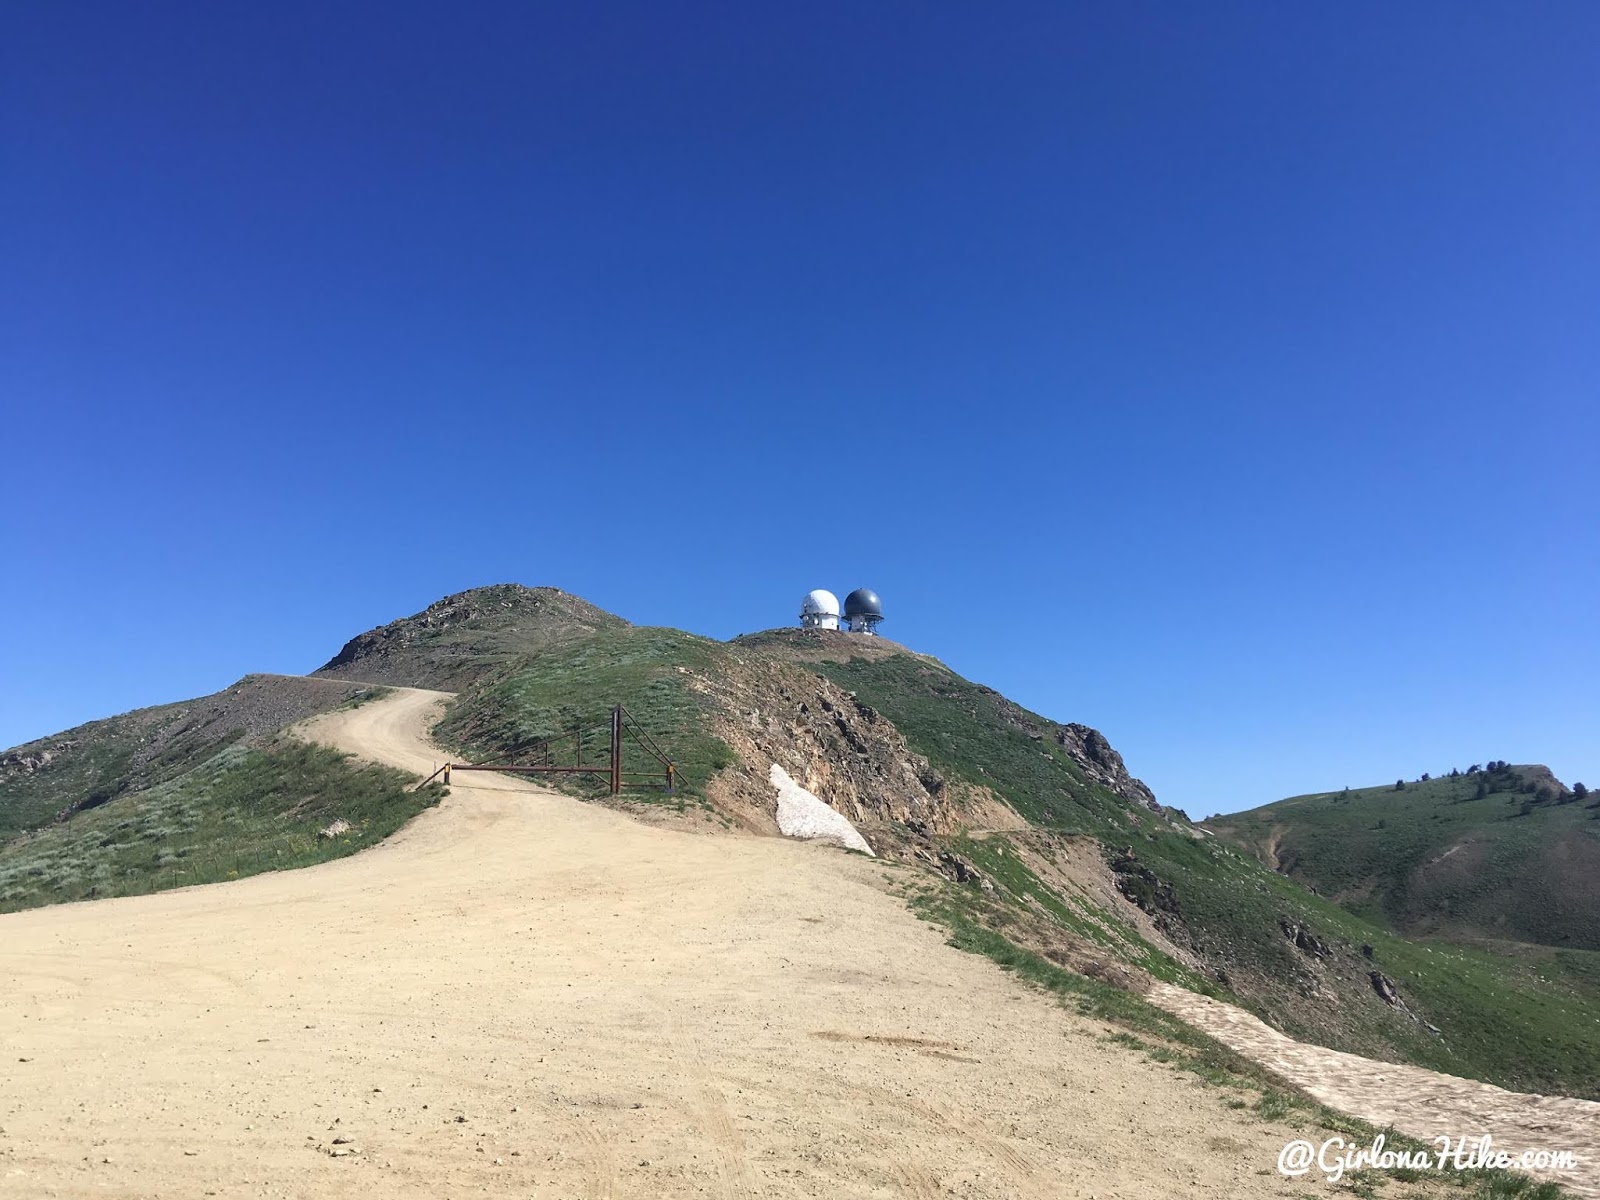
[(863, 610), (819, 610), (861, 614)]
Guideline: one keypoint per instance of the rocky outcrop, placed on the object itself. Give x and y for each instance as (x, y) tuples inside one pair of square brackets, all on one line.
[(1390, 995), (35, 756), (1143, 887), (1091, 751), (835, 747), (1101, 766), (961, 870), (1088, 748), (1304, 939)]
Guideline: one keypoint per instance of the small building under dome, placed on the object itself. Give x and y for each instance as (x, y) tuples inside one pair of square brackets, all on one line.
[(819, 610), (863, 610)]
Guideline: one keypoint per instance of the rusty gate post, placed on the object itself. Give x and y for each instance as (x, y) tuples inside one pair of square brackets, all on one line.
[(616, 750)]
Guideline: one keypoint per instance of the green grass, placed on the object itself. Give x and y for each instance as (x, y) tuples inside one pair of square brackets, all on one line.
[(98, 762), (972, 733), (96, 767), (367, 696), (243, 812), (651, 672), (461, 639), (1438, 858), (1524, 1023), (998, 857)]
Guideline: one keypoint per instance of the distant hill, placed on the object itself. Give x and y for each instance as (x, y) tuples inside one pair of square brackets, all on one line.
[(1507, 852), (456, 640), (54, 777), (1047, 844), (194, 792)]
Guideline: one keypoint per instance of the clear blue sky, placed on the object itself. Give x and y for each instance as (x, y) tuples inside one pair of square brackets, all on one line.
[(1224, 376)]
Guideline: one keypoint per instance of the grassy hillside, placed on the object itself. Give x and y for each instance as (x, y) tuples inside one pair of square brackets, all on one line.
[(93, 764), (1507, 853), (575, 684), (974, 733), (1532, 1024), (459, 640), (244, 811)]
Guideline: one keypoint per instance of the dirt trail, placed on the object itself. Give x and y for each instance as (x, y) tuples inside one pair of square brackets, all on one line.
[(523, 995), (1422, 1103)]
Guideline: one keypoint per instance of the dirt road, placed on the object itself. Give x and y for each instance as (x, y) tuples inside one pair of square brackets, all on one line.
[(522, 995)]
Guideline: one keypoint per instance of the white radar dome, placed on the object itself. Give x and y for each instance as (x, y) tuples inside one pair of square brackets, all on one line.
[(820, 610)]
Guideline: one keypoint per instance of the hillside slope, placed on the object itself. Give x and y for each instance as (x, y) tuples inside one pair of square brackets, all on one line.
[(461, 637), (1056, 849), (521, 995), (1508, 852), (195, 792), (51, 778)]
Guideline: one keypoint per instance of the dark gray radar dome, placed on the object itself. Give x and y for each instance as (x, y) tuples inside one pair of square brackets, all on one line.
[(863, 602)]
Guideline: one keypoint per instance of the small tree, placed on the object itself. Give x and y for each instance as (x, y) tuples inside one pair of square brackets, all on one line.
[(1579, 791), (1426, 777), (1473, 769), (1399, 785)]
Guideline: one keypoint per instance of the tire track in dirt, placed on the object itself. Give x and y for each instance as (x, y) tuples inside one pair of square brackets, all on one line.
[(709, 1109), (603, 1173), (1026, 1177), (914, 1181)]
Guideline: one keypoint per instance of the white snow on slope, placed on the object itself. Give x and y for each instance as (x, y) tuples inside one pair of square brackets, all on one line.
[(802, 815)]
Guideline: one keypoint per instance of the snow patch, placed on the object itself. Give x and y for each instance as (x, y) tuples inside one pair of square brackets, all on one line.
[(802, 815)]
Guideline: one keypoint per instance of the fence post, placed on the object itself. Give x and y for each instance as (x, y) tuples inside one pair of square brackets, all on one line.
[(616, 750)]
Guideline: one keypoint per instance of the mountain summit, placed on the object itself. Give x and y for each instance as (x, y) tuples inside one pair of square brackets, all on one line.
[(454, 640)]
